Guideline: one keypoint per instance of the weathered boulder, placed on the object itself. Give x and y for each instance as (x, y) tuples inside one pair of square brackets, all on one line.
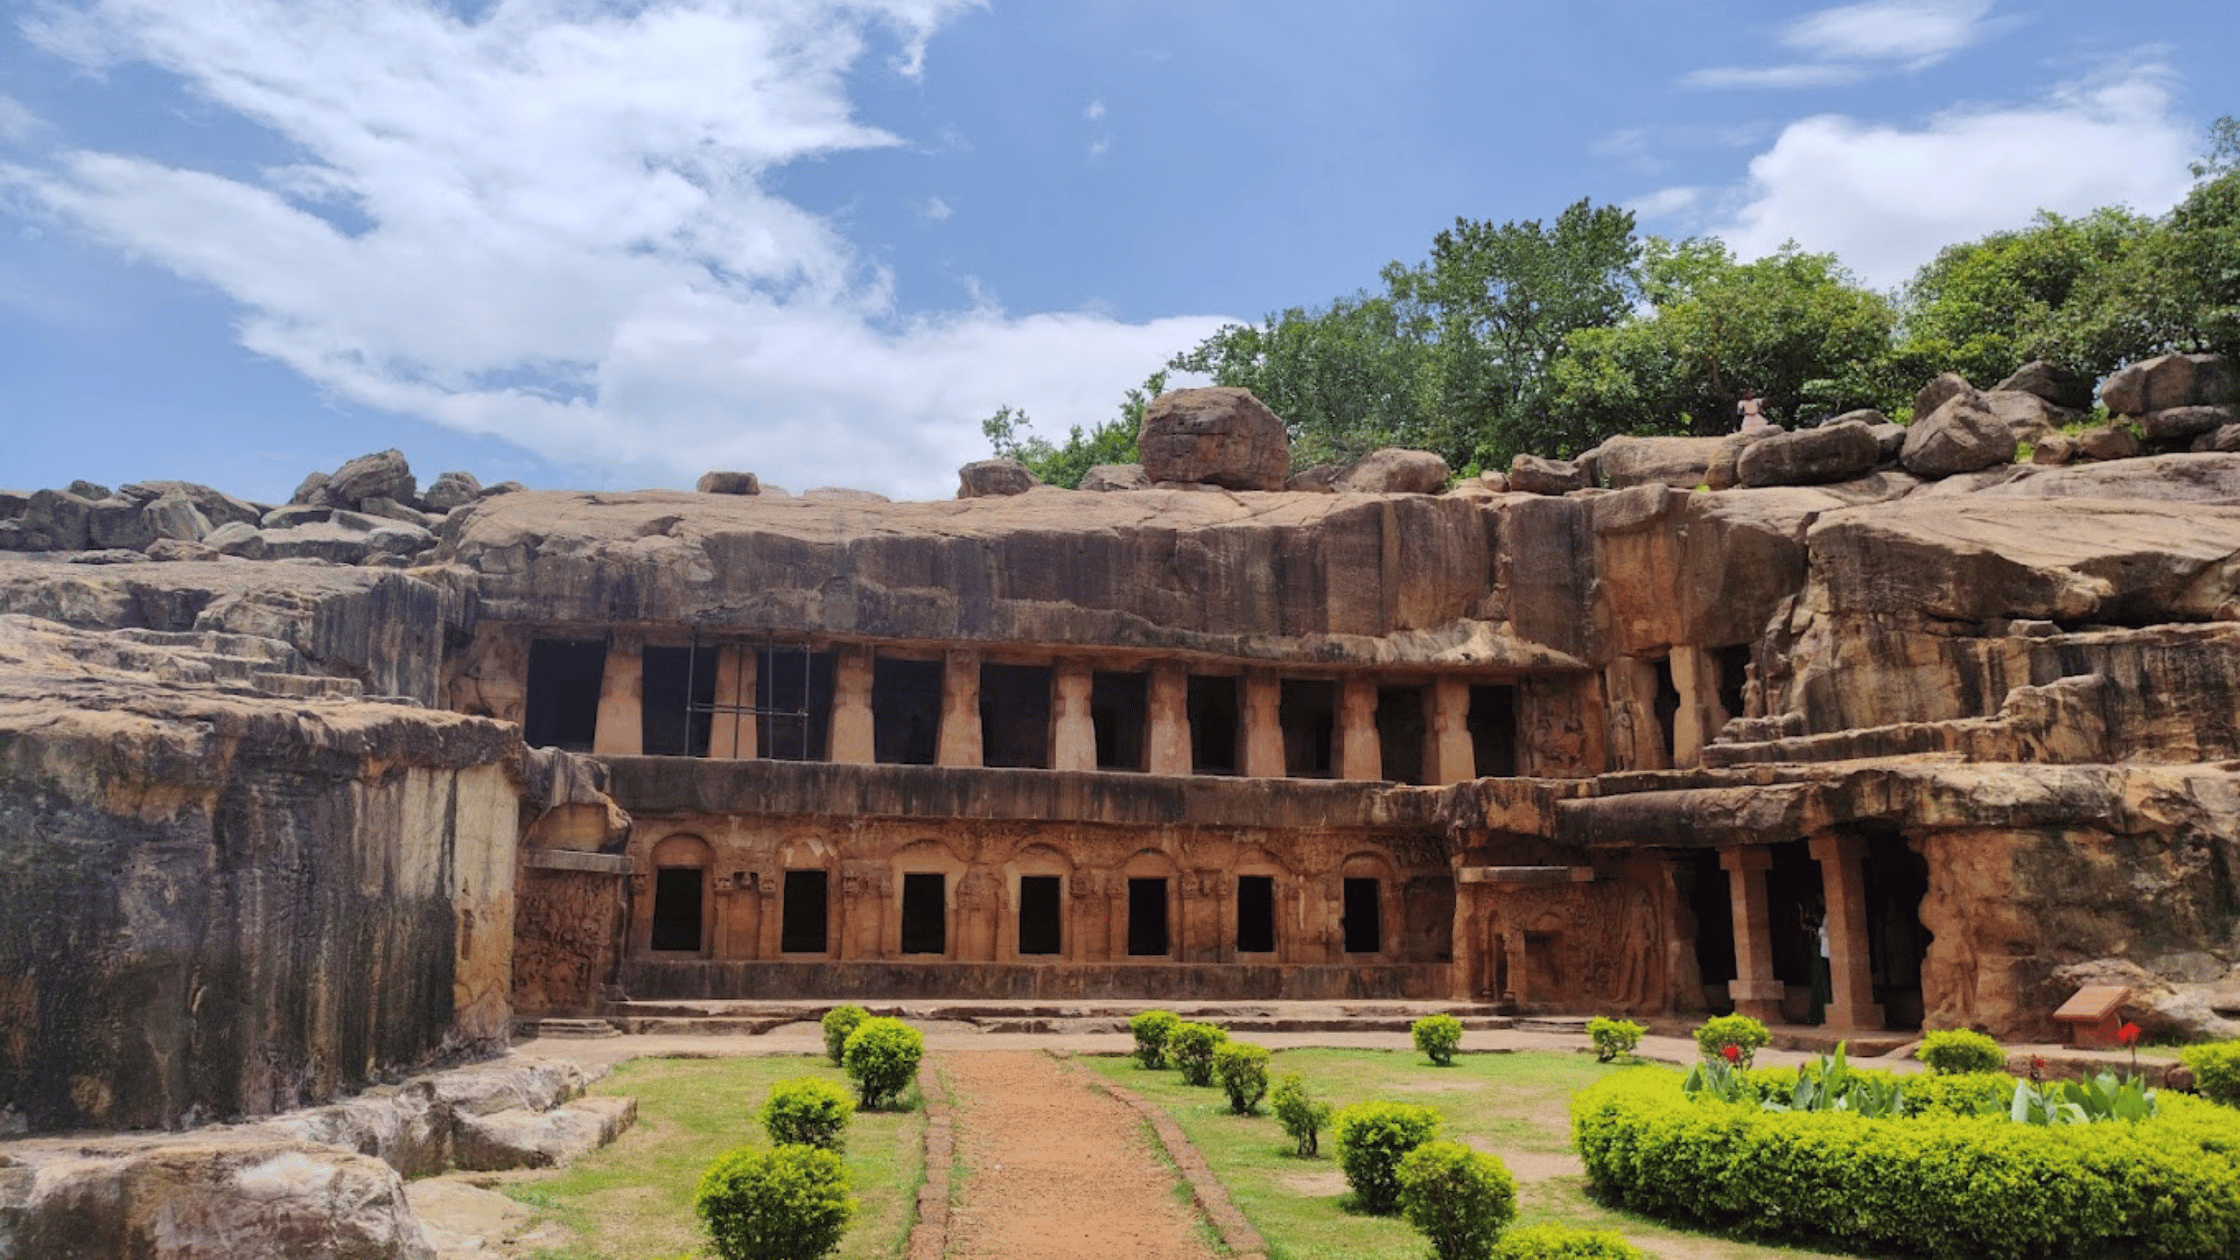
[(2107, 442), (1810, 457), (1960, 436), (2224, 439), (319, 540), (237, 539), (1679, 462), (291, 515), (56, 520), (2183, 424), (710, 483), (1393, 471), (2027, 416), (2069, 390), (501, 1140), (311, 491), (2054, 449), (514, 487), (1938, 392), (1890, 438), (220, 1198), (1108, 477), (1721, 473), (181, 549), (176, 516), (383, 475), (1531, 474), (1218, 435), (218, 507), (89, 490), (12, 504), (2170, 381), (117, 522), (451, 490), (391, 510), (1494, 480), (985, 477)]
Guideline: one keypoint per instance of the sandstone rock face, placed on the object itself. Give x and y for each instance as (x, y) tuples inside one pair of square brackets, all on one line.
[(175, 978), (1218, 435), (1811, 457), (1723, 473), (1393, 471), (1530, 474), (987, 477), (728, 483), (2025, 414), (2107, 442), (1960, 436), (1681, 463), (2052, 382), (496, 1142), (2055, 449), (1107, 477), (2171, 381), (2224, 439)]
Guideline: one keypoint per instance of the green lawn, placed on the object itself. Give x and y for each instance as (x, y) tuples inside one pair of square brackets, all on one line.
[(1513, 1105), (633, 1200)]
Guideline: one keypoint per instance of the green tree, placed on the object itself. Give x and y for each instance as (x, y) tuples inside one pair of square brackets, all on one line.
[(1793, 326), (1347, 378), (1011, 435), (1986, 307), (1501, 302)]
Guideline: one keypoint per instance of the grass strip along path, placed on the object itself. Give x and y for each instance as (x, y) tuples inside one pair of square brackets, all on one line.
[(1512, 1105)]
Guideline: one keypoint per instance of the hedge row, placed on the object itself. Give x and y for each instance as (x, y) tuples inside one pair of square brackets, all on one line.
[(1940, 1185)]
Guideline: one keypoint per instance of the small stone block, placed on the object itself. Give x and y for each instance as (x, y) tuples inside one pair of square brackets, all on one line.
[(2095, 1016)]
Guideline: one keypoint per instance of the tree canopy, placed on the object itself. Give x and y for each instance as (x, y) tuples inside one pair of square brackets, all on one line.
[(1548, 338)]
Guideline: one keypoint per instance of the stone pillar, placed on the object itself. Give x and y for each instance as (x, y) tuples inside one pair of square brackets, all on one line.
[(851, 707), (959, 743), (1636, 737), (1360, 754), (1755, 991), (1263, 725), (1170, 719), (731, 736), (621, 731), (1520, 969), (1850, 968), (1695, 675), (1469, 926), (1073, 737), (1449, 756)]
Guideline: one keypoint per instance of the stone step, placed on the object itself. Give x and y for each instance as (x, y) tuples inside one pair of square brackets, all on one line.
[(1551, 1024), (308, 686), (1066, 1020), (574, 1028)]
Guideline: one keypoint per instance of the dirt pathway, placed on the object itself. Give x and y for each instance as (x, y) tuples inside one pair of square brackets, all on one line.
[(1057, 1169)]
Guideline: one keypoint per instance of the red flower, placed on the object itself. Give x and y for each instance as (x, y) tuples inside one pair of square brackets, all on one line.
[(2128, 1034), (1732, 1052)]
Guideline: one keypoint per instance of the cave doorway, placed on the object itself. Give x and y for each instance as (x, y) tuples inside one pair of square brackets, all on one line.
[(1307, 709), (1401, 731), (925, 913), (1897, 880), (1120, 714), (1711, 897), (676, 710), (562, 709), (1147, 918), (801, 928), (1040, 897), (1256, 914), (1214, 724), (1015, 716), (1364, 916), (1795, 904), (1493, 731), (677, 898)]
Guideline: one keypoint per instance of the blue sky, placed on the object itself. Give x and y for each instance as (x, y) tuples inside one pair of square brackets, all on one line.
[(598, 244)]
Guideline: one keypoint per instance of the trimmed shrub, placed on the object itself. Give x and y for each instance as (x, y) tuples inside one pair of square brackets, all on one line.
[(1152, 1028), (787, 1203), (1613, 1039), (1560, 1242), (1745, 1034), (807, 1111), (1969, 1094), (1190, 1048), (1302, 1115), (882, 1058), (1958, 1051), (1373, 1137), (1938, 1185), (2216, 1070), (1458, 1198), (1243, 1070), (838, 1023), (1437, 1036)]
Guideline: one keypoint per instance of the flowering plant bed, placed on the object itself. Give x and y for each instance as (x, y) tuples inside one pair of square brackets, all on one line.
[(1937, 1184)]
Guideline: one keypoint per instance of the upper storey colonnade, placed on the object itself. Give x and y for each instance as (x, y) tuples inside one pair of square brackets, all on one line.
[(866, 703)]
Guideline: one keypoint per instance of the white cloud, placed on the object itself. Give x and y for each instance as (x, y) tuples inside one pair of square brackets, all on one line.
[(935, 210), (1094, 112), (1855, 41), (1100, 146), (1665, 201), (1886, 198), (1916, 33), (553, 224), (17, 122)]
